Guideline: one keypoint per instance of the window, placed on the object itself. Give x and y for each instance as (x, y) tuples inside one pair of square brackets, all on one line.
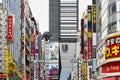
[(112, 27)]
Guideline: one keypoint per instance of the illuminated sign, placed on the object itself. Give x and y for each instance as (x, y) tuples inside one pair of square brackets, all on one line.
[(111, 67), (112, 47), (10, 26)]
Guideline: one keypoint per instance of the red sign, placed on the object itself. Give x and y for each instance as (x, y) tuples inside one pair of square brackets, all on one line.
[(22, 9), (2, 76), (112, 47), (89, 44), (10, 26), (84, 55), (111, 78), (36, 42), (111, 67)]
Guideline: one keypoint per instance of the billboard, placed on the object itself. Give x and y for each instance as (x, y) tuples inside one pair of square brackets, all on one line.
[(112, 47), (53, 69), (53, 51), (53, 59)]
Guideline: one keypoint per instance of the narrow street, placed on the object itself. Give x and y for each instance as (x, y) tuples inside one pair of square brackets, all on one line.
[(81, 42)]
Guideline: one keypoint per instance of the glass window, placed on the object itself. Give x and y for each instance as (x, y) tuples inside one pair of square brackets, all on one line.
[(114, 7), (112, 28), (118, 6)]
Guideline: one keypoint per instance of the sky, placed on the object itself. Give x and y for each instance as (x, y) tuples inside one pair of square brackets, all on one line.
[(40, 10)]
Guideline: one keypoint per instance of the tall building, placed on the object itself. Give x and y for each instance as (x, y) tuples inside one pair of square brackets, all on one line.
[(108, 39), (13, 37), (68, 20), (14, 9), (68, 36), (63, 20), (63, 28), (54, 19)]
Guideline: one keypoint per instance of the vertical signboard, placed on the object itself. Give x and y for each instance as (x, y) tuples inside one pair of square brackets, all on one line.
[(94, 15), (89, 32), (36, 52), (10, 28), (32, 40), (82, 36), (39, 53), (22, 9), (94, 27), (84, 71)]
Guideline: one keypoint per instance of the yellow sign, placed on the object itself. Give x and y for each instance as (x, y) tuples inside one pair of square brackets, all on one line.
[(32, 38), (84, 69), (112, 47), (89, 34)]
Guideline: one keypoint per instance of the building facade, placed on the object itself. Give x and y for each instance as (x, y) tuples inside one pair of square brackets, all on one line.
[(13, 37), (108, 39), (13, 8)]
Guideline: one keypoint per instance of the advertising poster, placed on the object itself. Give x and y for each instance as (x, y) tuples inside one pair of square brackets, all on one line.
[(53, 59), (53, 51), (53, 69)]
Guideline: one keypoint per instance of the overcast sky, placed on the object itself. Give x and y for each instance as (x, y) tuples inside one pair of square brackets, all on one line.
[(40, 10)]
